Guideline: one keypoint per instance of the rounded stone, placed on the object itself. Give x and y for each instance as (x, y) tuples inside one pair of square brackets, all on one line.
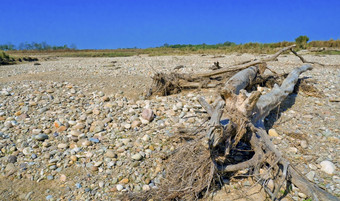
[(119, 187), (137, 157), (12, 159), (110, 153), (41, 137), (327, 167), (304, 144), (148, 114), (62, 146), (27, 151), (272, 132), (73, 158), (146, 187)]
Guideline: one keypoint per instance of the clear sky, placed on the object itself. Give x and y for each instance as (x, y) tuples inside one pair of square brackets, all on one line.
[(108, 24)]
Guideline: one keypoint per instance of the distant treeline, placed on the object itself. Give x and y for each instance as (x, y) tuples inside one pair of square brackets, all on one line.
[(228, 44), (36, 46)]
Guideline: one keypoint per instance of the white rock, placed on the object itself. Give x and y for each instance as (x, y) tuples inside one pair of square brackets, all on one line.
[(146, 187), (127, 125), (62, 146), (36, 131), (119, 187), (137, 157), (304, 144), (97, 164), (27, 151), (292, 150), (144, 121), (302, 195), (327, 167), (146, 138)]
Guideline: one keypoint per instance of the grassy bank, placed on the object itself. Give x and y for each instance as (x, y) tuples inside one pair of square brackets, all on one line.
[(180, 49)]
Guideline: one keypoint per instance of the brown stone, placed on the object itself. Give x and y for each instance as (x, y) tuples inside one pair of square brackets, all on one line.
[(124, 181), (61, 129), (148, 114)]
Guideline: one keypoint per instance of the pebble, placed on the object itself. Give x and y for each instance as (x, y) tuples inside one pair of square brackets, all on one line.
[(34, 156), (137, 156), (146, 138), (302, 195), (62, 146), (41, 137), (328, 167), (292, 150), (73, 158), (62, 178), (304, 144), (146, 187), (78, 185), (136, 124), (119, 187), (12, 159), (148, 114), (272, 132), (27, 151), (50, 177), (310, 176), (36, 131), (110, 153), (95, 140)]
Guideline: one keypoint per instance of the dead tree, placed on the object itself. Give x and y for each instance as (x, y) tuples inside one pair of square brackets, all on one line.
[(236, 116), (246, 113)]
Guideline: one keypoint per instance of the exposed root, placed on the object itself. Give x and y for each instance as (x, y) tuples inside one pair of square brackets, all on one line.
[(190, 174)]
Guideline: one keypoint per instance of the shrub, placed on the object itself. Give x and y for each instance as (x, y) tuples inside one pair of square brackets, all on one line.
[(301, 41)]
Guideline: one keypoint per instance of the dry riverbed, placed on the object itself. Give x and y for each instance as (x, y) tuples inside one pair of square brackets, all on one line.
[(72, 128)]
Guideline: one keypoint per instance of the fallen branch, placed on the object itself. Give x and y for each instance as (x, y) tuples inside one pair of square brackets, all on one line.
[(303, 59), (166, 84)]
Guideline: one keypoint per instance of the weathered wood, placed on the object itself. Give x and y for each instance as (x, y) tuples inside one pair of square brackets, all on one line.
[(271, 100), (241, 80), (235, 68), (303, 59), (277, 54), (255, 107)]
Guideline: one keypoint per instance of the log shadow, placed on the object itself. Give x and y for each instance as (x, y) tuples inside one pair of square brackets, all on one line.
[(286, 104), (275, 114)]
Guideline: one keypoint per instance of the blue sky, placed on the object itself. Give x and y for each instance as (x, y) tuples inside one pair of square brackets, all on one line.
[(108, 24)]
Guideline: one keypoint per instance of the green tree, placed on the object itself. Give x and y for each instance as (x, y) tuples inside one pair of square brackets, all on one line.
[(301, 41)]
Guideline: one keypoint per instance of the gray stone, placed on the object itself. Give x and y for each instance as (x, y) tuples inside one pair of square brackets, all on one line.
[(12, 159), (41, 137), (310, 175)]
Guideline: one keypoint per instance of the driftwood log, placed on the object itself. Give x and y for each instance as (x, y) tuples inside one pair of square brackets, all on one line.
[(236, 119), (172, 83), (246, 113)]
